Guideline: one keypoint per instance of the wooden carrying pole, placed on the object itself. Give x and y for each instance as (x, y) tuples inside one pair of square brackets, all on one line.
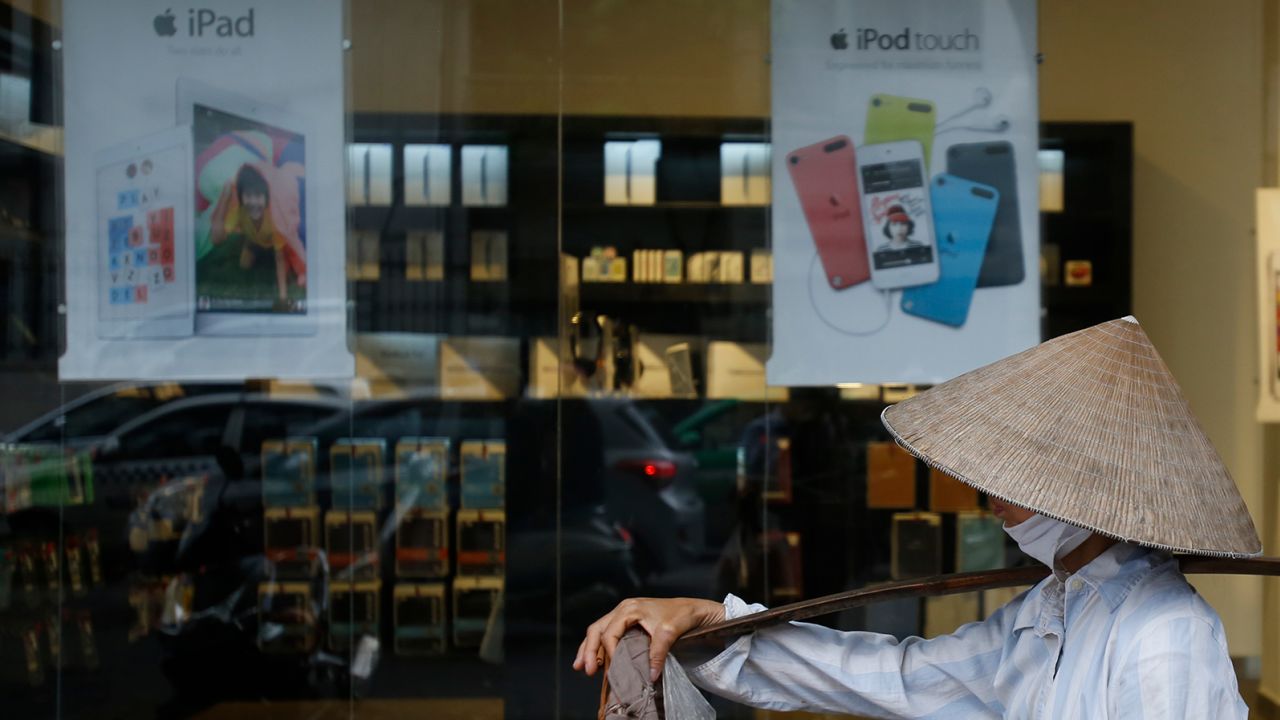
[(943, 585)]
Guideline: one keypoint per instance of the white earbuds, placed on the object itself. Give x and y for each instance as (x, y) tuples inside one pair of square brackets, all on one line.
[(982, 98)]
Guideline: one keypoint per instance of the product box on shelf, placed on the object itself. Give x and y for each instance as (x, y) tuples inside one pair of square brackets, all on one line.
[(422, 544), (761, 266), (475, 604), (364, 254), (604, 265), (891, 476), (482, 548), (355, 467), (289, 472), (351, 539), (288, 619), (745, 173), (422, 472), (419, 619), (428, 175), (980, 541), (946, 494), (424, 255), (291, 540), (483, 474), (479, 368), (489, 250), (630, 171), (916, 545), (369, 174), (353, 612), (484, 175), (736, 370)]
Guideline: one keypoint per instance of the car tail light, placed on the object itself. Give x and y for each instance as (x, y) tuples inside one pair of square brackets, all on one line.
[(660, 473)]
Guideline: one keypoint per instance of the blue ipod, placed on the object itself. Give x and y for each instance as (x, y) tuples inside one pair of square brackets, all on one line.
[(963, 214)]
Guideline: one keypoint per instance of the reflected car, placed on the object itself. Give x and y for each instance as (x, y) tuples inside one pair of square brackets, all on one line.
[(649, 487)]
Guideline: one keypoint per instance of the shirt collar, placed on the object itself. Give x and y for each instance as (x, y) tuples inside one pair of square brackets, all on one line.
[(1112, 575)]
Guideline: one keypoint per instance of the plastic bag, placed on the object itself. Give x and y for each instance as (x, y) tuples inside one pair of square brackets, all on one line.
[(680, 699)]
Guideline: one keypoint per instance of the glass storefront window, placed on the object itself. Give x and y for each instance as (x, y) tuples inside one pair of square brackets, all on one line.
[(358, 356)]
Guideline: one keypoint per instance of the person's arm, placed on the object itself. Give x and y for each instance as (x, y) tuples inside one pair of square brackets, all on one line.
[(799, 666), (218, 221), (1178, 668)]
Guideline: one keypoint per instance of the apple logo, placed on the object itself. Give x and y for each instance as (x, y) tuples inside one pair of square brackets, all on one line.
[(839, 40), (165, 24)]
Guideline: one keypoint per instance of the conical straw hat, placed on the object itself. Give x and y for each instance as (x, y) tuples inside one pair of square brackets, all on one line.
[(1091, 429)]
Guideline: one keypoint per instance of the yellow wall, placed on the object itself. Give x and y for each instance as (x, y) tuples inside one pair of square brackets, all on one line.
[(1194, 91), (620, 57)]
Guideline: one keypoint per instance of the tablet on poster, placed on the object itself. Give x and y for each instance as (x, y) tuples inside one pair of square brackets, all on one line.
[(204, 197), (250, 166), (144, 274)]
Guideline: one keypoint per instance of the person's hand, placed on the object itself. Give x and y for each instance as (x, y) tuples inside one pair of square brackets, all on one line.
[(665, 620)]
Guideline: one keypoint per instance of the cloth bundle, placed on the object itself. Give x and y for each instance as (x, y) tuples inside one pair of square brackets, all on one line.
[(627, 693)]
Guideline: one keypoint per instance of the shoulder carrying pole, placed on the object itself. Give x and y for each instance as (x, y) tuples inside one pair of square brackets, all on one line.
[(944, 585)]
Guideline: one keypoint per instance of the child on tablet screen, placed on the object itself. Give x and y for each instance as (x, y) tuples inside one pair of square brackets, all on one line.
[(243, 214)]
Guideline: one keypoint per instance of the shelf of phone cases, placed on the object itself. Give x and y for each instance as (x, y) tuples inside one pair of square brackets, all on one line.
[(353, 613), (483, 476), (288, 617), (482, 542), (422, 471), (38, 574), (422, 544), (351, 541), (289, 472), (355, 466), (34, 476), (476, 603), (58, 641), (419, 624)]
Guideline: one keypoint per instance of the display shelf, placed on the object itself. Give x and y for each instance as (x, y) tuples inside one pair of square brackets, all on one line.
[(615, 294), (668, 205)]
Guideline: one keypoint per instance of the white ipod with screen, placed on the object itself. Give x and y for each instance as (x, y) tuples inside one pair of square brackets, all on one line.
[(896, 215), (254, 209), (143, 220)]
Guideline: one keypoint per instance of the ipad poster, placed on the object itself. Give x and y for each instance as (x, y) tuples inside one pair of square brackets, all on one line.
[(204, 190), (905, 223)]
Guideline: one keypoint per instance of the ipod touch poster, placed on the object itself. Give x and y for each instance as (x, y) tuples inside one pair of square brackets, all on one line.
[(204, 190), (905, 208)]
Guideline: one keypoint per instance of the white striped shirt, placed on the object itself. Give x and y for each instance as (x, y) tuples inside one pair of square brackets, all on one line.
[(1129, 637)]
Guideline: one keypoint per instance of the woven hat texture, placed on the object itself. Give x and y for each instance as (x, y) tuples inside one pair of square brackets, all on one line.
[(1091, 429)]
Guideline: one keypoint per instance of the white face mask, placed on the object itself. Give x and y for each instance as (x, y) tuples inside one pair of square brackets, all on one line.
[(1046, 539)]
